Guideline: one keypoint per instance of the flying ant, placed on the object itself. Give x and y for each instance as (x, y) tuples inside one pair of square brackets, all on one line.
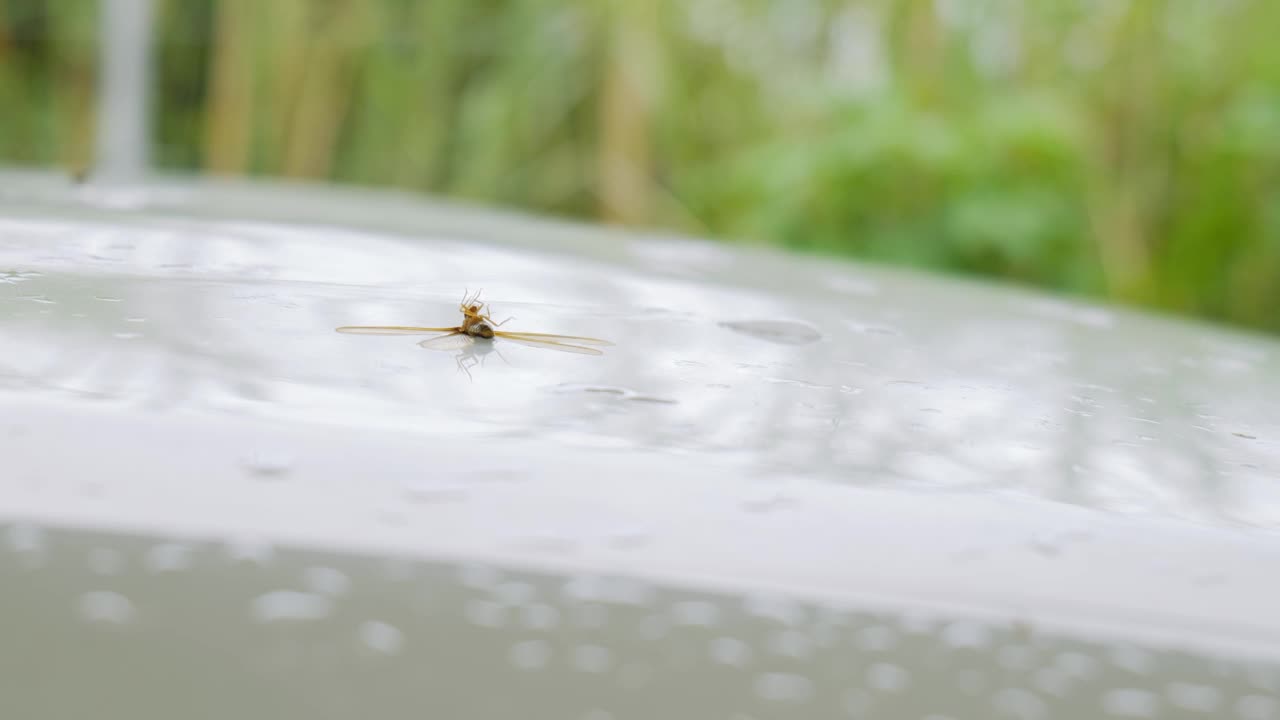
[(479, 325)]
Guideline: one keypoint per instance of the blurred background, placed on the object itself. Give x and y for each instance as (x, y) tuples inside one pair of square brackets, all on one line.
[(1118, 149)]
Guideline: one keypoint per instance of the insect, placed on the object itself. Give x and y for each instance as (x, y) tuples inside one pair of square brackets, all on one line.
[(480, 325)]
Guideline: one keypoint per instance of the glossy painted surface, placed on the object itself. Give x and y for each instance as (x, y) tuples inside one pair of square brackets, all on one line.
[(878, 453)]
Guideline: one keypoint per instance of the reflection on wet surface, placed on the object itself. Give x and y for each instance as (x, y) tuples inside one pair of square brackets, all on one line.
[(912, 385), (928, 500), (289, 629)]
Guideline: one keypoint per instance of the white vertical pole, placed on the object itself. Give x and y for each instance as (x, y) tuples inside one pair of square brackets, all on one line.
[(124, 84)]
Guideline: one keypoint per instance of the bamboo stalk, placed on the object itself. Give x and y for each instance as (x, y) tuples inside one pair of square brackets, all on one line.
[(229, 124)]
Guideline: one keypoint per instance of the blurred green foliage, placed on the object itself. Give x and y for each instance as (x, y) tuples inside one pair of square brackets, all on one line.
[(47, 78), (1121, 148)]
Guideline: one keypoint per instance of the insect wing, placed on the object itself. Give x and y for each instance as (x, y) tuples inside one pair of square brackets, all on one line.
[(548, 337), (392, 330), (452, 341), (549, 342)]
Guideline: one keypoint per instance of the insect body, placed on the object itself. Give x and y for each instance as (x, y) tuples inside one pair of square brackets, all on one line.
[(477, 324)]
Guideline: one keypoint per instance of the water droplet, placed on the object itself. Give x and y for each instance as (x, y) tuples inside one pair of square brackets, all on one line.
[(1088, 316), (106, 298), (397, 569), (652, 399), (867, 329), (1193, 697), (393, 517), (514, 593), (782, 332), (1134, 659), (1130, 703), (1021, 704), (777, 608), (1258, 707), (887, 677), (628, 536), (1076, 664), (1016, 657), (573, 388), (126, 335), (479, 577), (764, 500), (966, 634), (876, 638), (783, 687), (584, 588), (547, 539), (1264, 678), (530, 655), (1052, 681), (326, 581), (381, 637), (730, 651), (432, 490), (290, 605), (592, 658), (1047, 545), (27, 541), (918, 622), (268, 463), (617, 591), (26, 538), (105, 561), (853, 286), (486, 613), (251, 548), (106, 607), (791, 643), (13, 277), (167, 557), (695, 612), (539, 617)]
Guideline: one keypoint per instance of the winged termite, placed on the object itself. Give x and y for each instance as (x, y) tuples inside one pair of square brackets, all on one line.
[(479, 325)]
